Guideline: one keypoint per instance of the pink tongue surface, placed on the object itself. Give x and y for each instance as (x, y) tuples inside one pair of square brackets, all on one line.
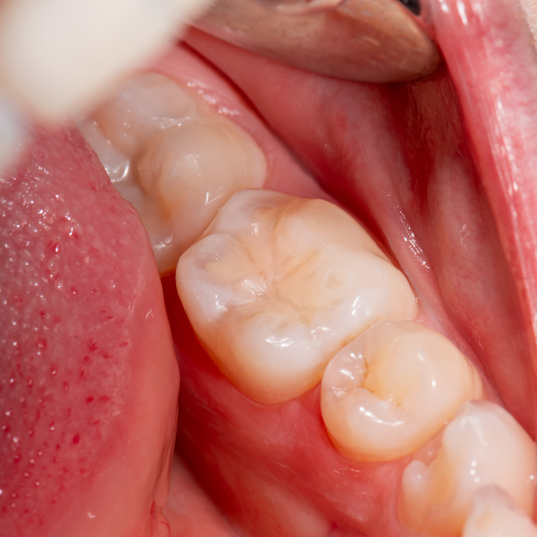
[(89, 380)]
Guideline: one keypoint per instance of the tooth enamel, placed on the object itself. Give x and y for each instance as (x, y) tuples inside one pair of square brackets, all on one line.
[(494, 514), (482, 446), (62, 56), (279, 284), (391, 389), (176, 162)]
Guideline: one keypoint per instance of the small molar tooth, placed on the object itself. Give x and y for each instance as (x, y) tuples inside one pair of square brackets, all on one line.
[(482, 446), (278, 284), (494, 514), (177, 163), (390, 390)]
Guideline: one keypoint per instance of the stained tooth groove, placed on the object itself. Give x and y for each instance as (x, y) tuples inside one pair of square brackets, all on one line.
[(175, 159), (278, 285), (391, 389), (494, 514), (483, 445)]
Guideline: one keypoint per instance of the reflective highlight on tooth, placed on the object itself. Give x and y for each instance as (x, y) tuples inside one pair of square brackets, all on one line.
[(483, 445), (391, 389), (175, 159), (279, 284), (494, 514)]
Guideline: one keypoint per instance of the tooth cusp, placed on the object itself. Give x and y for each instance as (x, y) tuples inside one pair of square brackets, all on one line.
[(482, 446), (393, 388), (278, 285)]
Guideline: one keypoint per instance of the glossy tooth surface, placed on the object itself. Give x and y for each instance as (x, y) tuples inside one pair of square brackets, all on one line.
[(482, 446), (177, 162), (391, 389), (278, 284), (494, 514)]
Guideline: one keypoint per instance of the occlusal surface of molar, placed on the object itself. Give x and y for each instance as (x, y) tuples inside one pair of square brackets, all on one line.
[(277, 285), (393, 388), (177, 160)]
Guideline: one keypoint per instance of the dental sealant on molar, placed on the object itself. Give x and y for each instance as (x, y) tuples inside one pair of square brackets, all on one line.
[(494, 514), (482, 446), (278, 284), (175, 159), (394, 387)]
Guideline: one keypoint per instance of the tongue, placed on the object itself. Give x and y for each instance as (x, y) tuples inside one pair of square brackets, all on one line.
[(88, 382), (442, 169)]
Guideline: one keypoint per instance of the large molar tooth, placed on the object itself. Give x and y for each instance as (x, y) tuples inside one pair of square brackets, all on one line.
[(176, 160), (482, 446), (279, 284), (494, 514), (390, 390)]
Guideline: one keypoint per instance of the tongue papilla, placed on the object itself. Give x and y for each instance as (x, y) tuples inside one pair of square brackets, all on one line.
[(441, 170), (89, 380)]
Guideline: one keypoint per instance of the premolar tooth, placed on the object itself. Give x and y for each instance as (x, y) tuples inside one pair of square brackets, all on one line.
[(390, 390), (279, 284), (483, 445), (177, 163), (494, 514)]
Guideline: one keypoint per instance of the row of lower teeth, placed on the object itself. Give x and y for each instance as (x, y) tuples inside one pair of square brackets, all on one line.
[(284, 292)]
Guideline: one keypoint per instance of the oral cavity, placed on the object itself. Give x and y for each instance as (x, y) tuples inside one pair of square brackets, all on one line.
[(278, 284), (392, 389), (174, 158)]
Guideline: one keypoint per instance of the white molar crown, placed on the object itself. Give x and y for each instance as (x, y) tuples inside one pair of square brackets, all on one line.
[(494, 514), (278, 284), (393, 388), (177, 162), (482, 446)]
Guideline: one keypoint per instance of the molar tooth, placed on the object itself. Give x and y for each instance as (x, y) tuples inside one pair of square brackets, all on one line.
[(278, 285), (483, 445), (494, 514), (391, 389), (176, 162)]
